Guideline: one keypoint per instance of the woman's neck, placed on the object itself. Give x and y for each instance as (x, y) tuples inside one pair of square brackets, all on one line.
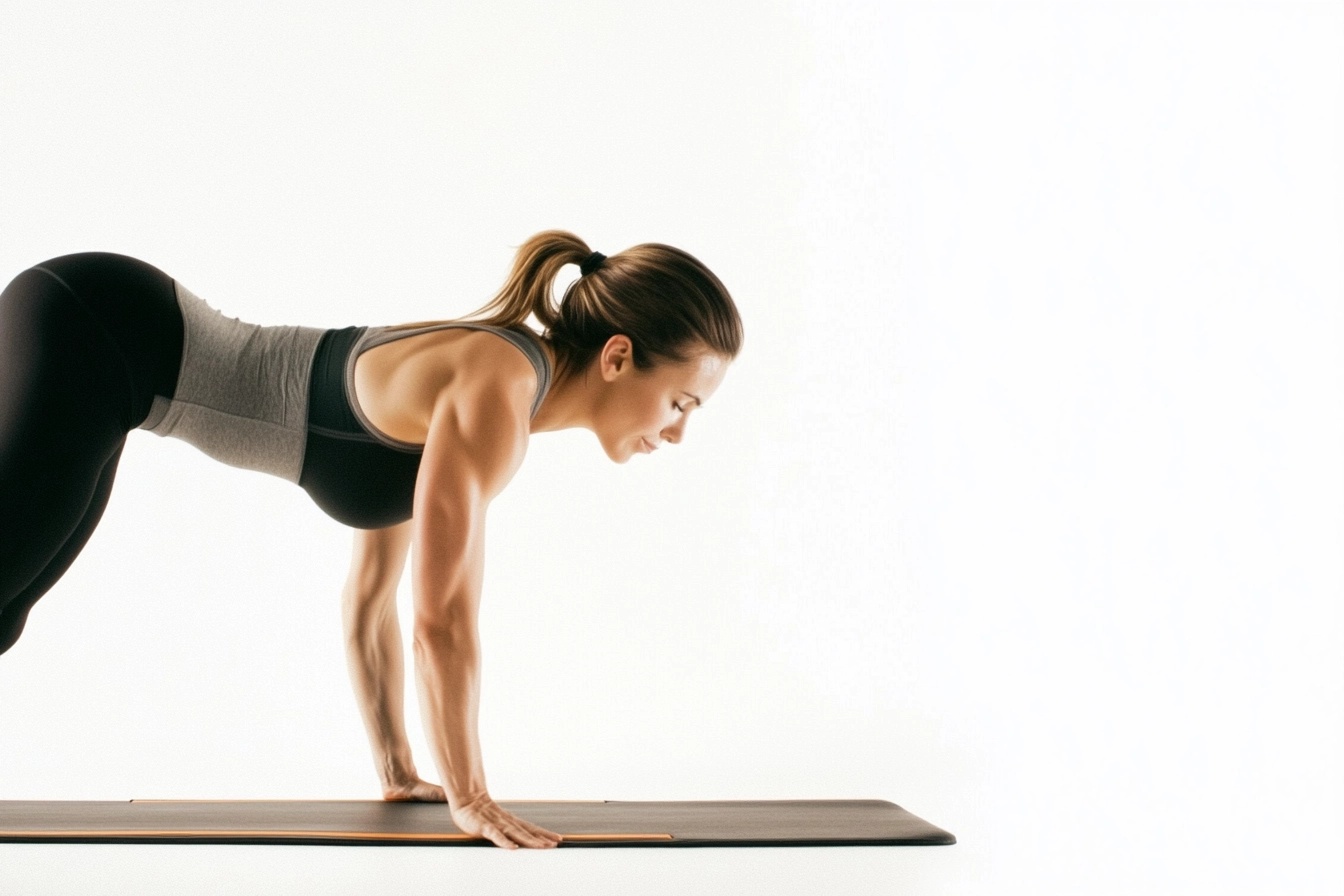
[(568, 403)]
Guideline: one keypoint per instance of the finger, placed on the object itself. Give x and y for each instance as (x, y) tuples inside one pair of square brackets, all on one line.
[(537, 837), (509, 828), (531, 841), (534, 828), (527, 838), (517, 830), (496, 836), (534, 834), (540, 831)]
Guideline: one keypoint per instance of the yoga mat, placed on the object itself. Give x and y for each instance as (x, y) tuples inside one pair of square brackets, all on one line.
[(374, 822)]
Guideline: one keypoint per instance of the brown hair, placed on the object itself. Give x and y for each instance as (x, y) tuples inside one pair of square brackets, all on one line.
[(664, 299)]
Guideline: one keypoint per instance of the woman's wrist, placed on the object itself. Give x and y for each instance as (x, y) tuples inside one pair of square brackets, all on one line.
[(467, 798)]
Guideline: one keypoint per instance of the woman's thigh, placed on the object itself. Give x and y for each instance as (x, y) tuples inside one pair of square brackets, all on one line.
[(64, 399)]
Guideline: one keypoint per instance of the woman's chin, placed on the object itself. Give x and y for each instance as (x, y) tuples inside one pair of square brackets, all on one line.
[(619, 454)]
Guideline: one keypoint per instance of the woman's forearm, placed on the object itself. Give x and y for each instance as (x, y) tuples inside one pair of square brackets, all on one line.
[(447, 663), (375, 661)]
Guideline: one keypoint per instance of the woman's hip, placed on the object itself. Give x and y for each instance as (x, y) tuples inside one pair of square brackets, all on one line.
[(108, 323)]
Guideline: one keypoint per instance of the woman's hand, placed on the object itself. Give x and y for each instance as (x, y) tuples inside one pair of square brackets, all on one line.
[(414, 791), (483, 817)]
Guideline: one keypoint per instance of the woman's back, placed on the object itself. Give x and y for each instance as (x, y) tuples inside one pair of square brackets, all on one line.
[(397, 373)]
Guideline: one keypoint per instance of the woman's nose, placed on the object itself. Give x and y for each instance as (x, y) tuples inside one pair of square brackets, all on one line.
[(673, 433)]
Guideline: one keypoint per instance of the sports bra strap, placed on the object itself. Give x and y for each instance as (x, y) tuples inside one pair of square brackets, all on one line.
[(522, 338)]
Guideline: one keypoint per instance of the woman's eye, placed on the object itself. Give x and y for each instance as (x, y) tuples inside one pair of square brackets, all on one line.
[(677, 406)]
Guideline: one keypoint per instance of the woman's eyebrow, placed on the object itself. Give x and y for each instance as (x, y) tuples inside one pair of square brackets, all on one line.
[(696, 397)]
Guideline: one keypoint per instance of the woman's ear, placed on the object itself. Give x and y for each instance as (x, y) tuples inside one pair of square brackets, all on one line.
[(617, 357)]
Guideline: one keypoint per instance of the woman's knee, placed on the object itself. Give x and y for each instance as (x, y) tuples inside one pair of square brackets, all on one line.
[(12, 620)]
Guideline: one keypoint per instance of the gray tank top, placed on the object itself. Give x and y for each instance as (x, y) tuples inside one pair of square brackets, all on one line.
[(242, 389), (375, 336)]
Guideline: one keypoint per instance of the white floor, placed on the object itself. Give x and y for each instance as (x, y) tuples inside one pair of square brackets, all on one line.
[(56, 869)]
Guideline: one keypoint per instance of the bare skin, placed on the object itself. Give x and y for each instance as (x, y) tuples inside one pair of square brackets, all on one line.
[(466, 396)]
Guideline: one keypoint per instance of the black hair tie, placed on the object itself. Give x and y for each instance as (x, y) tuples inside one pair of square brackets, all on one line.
[(591, 263)]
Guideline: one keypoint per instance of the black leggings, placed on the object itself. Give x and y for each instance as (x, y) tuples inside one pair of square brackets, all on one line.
[(86, 342)]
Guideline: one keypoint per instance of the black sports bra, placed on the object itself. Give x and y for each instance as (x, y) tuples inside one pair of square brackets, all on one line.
[(358, 475)]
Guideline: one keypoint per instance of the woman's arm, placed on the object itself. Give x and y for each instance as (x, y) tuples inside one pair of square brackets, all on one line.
[(476, 439), (374, 656)]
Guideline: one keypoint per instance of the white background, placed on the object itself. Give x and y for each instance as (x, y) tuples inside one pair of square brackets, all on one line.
[(1022, 507)]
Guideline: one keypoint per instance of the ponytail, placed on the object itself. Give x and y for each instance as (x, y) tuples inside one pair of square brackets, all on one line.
[(666, 301), (527, 292)]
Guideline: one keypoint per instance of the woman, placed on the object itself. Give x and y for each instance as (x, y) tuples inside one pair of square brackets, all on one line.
[(404, 433)]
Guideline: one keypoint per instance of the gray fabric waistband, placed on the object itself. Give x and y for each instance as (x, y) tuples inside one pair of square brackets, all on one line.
[(242, 392)]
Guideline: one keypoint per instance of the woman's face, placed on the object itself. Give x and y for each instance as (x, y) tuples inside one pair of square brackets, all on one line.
[(638, 410)]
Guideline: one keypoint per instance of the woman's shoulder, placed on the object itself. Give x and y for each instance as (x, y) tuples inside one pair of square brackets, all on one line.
[(401, 382), (491, 369), (491, 356)]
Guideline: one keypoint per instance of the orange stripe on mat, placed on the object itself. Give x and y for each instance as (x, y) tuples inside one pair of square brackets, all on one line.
[(566, 802), (333, 835)]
